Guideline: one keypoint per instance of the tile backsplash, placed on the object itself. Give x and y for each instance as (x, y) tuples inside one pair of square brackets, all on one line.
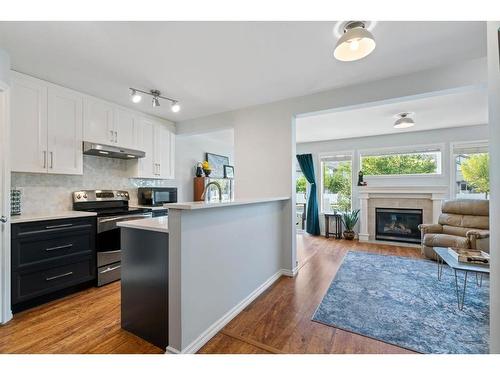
[(42, 192)]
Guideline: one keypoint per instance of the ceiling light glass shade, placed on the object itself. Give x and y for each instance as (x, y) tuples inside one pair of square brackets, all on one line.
[(176, 107), (404, 122), (135, 96), (156, 102), (355, 44)]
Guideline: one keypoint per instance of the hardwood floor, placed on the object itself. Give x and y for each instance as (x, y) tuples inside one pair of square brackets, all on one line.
[(279, 321)]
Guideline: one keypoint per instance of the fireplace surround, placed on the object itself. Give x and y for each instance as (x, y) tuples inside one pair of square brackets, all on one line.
[(398, 224)]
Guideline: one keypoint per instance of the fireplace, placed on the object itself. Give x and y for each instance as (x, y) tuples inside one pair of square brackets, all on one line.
[(398, 224)]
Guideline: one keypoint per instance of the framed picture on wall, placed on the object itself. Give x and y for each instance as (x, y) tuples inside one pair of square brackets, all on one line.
[(228, 171), (217, 163)]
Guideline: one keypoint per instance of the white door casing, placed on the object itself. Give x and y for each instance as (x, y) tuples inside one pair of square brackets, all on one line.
[(5, 311)]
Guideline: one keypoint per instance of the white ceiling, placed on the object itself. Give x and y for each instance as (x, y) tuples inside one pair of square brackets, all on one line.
[(219, 66), (444, 111)]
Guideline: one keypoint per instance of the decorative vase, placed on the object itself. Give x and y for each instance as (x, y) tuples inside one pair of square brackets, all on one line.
[(207, 172), (199, 171), (349, 235)]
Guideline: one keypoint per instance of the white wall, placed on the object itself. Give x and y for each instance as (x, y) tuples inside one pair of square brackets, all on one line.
[(219, 259), (191, 149), (439, 136), (264, 135), (494, 122)]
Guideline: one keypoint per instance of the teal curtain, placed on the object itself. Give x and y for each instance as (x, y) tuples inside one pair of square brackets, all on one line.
[(312, 216)]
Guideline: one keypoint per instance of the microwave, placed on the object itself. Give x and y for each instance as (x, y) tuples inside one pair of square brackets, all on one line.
[(156, 196)]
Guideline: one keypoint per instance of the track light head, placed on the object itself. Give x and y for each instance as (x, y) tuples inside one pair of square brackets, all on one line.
[(135, 96), (175, 107), (156, 102)]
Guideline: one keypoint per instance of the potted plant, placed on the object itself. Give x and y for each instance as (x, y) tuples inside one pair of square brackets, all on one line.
[(206, 168), (349, 219)]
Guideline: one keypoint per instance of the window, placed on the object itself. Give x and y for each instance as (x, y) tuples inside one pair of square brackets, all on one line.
[(336, 183), (300, 198), (472, 179), (419, 161)]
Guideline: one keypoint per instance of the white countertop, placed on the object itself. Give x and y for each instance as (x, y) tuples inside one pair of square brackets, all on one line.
[(154, 208), (156, 224), (237, 202), (40, 216)]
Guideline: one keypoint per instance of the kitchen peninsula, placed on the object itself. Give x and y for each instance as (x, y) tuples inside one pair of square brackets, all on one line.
[(173, 270)]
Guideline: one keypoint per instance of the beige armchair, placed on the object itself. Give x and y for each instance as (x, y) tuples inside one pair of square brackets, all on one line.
[(463, 223)]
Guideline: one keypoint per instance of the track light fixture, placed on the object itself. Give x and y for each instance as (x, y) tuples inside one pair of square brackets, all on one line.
[(135, 96)]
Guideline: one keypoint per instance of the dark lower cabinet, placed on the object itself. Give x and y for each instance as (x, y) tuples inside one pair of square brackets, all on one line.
[(51, 259)]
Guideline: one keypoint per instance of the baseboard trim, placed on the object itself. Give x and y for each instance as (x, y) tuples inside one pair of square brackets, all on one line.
[(211, 331), (290, 273)]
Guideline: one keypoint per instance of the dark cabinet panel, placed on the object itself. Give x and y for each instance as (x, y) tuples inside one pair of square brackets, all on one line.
[(33, 284), (51, 256)]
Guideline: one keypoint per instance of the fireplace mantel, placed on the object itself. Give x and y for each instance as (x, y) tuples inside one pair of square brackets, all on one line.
[(435, 194)]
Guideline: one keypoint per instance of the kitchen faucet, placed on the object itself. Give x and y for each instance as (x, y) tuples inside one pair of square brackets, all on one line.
[(216, 184)]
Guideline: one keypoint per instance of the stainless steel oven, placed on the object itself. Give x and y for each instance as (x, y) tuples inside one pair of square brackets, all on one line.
[(111, 207)]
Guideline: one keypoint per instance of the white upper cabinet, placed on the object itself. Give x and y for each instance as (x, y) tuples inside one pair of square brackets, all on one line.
[(164, 152), (126, 128), (146, 166), (28, 125), (98, 120), (156, 140), (65, 131), (50, 123), (47, 129)]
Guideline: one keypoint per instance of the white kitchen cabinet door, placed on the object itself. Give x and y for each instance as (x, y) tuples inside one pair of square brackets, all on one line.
[(146, 142), (65, 131), (163, 152), (126, 124), (98, 119), (28, 125)]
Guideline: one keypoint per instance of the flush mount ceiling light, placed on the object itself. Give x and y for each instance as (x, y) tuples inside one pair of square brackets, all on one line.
[(356, 42), (136, 97), (403, 120)]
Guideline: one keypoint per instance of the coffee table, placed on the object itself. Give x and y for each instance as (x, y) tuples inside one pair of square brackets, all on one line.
[(443, 256)]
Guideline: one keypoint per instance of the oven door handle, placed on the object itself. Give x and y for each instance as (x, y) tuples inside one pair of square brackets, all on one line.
[(125, 217), (107, 224)]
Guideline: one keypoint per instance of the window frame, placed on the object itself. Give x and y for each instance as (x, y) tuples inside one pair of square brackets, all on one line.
[(453, 169), (324, 155), (404, 150)]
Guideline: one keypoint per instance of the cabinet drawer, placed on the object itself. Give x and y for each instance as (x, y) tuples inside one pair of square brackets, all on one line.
[(51, 227), (30, 250), (28, 285)]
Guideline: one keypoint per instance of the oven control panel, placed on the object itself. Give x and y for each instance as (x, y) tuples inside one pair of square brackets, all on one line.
[(100, 195)]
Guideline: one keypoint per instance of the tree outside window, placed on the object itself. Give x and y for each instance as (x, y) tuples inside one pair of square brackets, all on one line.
[(474, 169), (400, 164), (337, 185)]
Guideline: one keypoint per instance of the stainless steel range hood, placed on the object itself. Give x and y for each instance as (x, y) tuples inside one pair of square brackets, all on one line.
[(96, 149)]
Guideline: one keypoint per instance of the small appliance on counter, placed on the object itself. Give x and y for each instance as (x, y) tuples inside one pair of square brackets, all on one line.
[(15, 202), (156, 196), (111, 207)]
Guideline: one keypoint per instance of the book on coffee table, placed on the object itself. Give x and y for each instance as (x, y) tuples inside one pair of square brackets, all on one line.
[(470, 256)]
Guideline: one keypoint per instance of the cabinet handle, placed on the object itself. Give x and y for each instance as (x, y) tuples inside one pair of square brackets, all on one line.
[(59, 276), (116, 137), (58, 226), (112, 135), (51, 159), (109, 269), (59, 247), (159, 169), (44, 159)]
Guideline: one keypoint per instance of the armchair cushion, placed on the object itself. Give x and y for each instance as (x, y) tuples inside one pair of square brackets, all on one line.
[(478, 233), (445, 240), (430, 228)]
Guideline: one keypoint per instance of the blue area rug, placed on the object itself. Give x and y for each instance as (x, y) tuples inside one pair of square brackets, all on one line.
[(399, 300)]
